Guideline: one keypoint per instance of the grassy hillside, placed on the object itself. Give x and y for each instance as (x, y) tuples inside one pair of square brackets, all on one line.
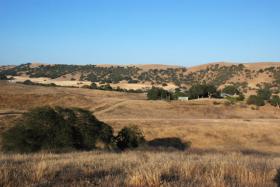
[(247, 76), (209, 124), (232, 145)]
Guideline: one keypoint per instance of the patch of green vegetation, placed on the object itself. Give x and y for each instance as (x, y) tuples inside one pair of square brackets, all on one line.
[(3, 77), (56, 129), (129, 138), (255, 100), (203, 90), (159, 94), (275, 100)]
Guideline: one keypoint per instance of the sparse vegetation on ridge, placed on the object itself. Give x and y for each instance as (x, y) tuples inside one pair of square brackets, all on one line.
[(214, 74)]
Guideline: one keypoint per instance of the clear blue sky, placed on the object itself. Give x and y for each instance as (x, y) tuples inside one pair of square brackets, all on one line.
[(182, 32)]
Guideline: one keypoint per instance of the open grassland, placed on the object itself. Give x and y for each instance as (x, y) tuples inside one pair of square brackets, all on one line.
[(208, 124), (256, 135), (232, 145), (138, 168)]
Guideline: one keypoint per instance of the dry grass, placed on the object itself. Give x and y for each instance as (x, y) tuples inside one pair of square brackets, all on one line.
[(137, 169), (227, 132), (222, 134), (207, 125)]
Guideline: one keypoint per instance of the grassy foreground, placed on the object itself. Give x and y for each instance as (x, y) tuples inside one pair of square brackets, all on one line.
[(138, 168)]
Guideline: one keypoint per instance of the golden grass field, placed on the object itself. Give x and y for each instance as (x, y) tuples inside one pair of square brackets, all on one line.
[(232, 145), (137, 169)]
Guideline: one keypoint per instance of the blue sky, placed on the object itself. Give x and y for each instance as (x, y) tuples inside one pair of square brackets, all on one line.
[(181, 32)]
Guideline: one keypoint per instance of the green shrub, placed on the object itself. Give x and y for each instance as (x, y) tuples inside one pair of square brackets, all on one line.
[(241, 97), (202, 90), (159, 94), (275, 100), (132, 81), (264, 93), (255, 100), (93, 86), (105, 87), (28, 82), (3, 77), (129, 137), (231, 90), (56, 129), (277, 178)]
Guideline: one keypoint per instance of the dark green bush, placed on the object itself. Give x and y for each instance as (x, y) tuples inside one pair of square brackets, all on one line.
[(202, 90), (105, 87), (28, 82), (93, 86), (159, 94), (241, 97), (129, 137), (132, 81), (275, 100), (231, 90), (277, 178), (255, 100), (3, 77), (264, 93), (56, 129)]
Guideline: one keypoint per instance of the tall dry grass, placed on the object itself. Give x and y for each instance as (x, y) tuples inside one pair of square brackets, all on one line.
[(137, 169)]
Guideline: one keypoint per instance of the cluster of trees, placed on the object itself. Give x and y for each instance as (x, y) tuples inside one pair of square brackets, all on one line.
[(110, 88), (264, 95), (112, 74), (196, 91), (115, 74), (58, 129), (52, 71), (234, 92), (29, 82), (202, 91), (159, 94), (64, 129), (206, 91)]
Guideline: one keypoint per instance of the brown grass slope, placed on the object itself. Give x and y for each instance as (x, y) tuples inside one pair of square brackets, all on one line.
[(207, 125)]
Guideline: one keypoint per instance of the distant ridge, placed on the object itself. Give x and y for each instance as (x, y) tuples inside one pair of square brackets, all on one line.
[(249, 75)]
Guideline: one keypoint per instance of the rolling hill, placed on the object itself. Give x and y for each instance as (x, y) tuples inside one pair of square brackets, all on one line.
[(246, 76)]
